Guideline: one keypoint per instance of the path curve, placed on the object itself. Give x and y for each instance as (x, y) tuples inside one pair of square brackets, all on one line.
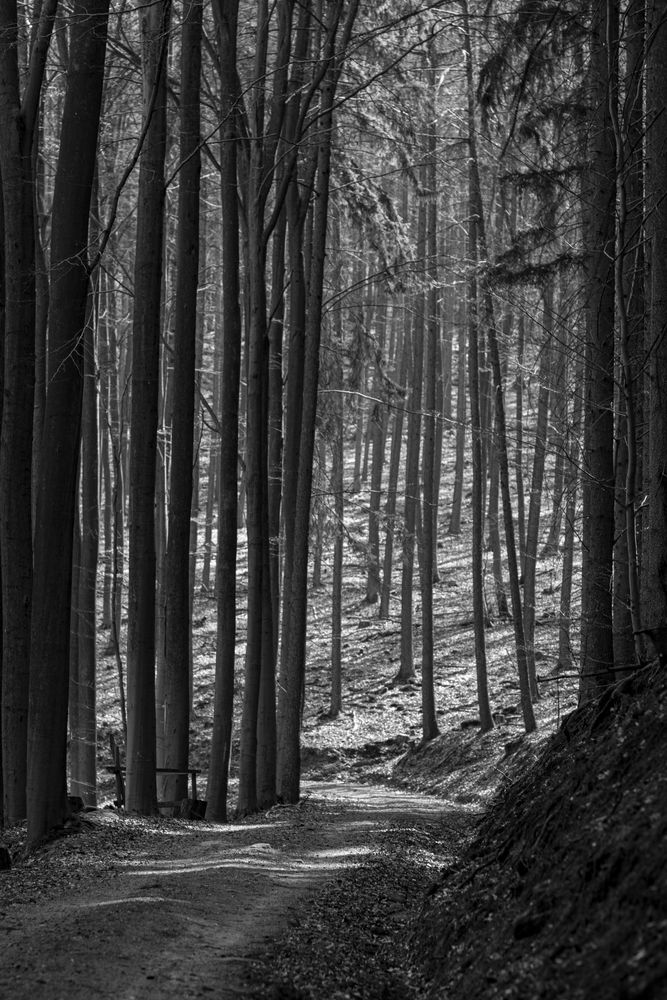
[(180, 916)]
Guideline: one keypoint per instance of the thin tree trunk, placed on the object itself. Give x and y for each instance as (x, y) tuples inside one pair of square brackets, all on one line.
[(431, 332), (275, 417), (176, 717), (291, 698), (218, 779), (105, 457), (536, 487), (377, 436), (572, 480), (392, 485), (518, 449), (461, 420), (495, 541), (141, 760), (412, 493), (336, 704), (480, 246), (83, 737)]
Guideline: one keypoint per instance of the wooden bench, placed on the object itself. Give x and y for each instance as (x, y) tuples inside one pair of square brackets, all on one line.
[(119, 771)]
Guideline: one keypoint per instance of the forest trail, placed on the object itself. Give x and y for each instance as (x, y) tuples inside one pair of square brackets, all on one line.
[(184, 910)]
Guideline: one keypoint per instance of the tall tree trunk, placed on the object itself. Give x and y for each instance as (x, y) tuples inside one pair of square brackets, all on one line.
[(536, 487), (83, 737), (626, 609), (634, 265), (291, 696), (336, 704), (377, 436), (571, 484), (431, 332), (2, 378), (518, 448), (218, 779), (275, 416), (655, 610), (56, 501), (599, 197), (105, 457), (480, 248), (392, 485), (141, 760), (176, 716), (17, 129), (412, 491), (495, 542), (476, 409), (457, 498)]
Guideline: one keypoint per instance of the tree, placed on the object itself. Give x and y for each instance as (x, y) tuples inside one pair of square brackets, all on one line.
[(18, 117), (290, 696), (480, 246), (175, 715), (599, 200), (655, 546), (226, 14), (56, 499), (83, 721), (141, 760)]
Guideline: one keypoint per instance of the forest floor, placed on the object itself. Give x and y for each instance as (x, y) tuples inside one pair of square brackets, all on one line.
[(555, 886)]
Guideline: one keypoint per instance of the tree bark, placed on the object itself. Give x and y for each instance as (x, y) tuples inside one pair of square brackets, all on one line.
[(17, 130), (599, 197), (141, 759), (176, 714), (56, 501), (83, 737), (291, 697), (392, 485), (655, 611), (536, 487), (218, 780), (480, 247), (412, 491), (431, 332)]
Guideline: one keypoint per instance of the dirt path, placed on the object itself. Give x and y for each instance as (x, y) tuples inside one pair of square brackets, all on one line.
[(180, 910)]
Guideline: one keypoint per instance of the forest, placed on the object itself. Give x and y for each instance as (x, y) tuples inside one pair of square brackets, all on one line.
[(320, 319)]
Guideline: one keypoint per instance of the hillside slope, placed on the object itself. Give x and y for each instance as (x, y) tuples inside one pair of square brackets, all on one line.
[(563, 890)]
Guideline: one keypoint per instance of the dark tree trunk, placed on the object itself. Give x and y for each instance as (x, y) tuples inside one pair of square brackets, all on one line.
[(655, 609), (412, 490), (597, 656), (176, 714), (392, 485), (536, 488), (56, 501), (291, 696), (17, 129), (218, 778), (480, 246), (141, 760), (431, 332)]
